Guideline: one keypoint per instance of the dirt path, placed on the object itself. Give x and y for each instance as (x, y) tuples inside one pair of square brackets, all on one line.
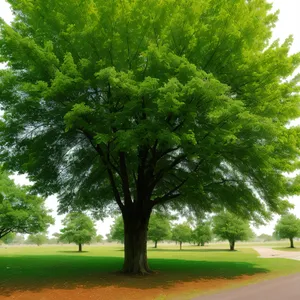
[(277, 289), (265, 252)]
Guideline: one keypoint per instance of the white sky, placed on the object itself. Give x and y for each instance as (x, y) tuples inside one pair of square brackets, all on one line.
[(288, 24)]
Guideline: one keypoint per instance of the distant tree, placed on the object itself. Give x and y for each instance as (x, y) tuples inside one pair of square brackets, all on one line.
[(52, 241), (159, 228), (265, 237), (181, 233), (98, 238), (20, 211), (117, 230), (19, 239), (108, 237), (228, 226), (288, 227), (56, 237), (78, 229), (37, 239), (202, 233)]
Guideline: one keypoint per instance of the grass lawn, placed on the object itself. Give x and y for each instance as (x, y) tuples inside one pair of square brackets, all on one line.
[(59, 272), (287, 249)]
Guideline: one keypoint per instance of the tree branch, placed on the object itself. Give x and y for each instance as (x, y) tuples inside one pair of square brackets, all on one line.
[(108, 168), (161, 173), (124, 178), (170, 195)]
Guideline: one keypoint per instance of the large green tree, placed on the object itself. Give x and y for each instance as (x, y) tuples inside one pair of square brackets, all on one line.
[(21, 211), (228, 226), (159, 228), (288, 227), (78, 228), (139, 103)]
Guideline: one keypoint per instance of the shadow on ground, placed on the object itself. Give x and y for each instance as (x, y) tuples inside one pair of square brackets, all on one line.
[(33, 273)]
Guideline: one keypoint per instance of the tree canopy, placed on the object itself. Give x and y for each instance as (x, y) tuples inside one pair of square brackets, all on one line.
[(202, 233), (181, 233), (159, 228), (288, 227), (21, 211), (98, 238), (78, 228), (228, 226), (142, 103)]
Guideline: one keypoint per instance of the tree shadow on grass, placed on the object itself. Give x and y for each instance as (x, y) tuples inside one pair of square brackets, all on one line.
[(33, 273)]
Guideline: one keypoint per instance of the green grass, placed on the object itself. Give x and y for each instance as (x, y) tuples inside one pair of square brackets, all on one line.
[(287, 249), (34, 268)]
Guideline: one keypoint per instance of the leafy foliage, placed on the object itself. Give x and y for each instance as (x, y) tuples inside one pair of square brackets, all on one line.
[(228, 226), (117, 230), (78, 229), (159, 228), (21, 211), (288, 227), (8, 239), (182, 233), (98, 238), (103, 96), (202, 233)]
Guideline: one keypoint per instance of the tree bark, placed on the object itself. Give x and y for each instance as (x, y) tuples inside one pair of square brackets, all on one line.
[(180, 243), (202, 244), (292, 242), (232, 244), (135, 244), (155, 244), (79, 247)]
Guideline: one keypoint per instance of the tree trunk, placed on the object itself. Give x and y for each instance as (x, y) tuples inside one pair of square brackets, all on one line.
[(292, 242), (198, 244), (155, 244), (80, 248), (232, 244), (135, 244), (180, 244), (202, 244)]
